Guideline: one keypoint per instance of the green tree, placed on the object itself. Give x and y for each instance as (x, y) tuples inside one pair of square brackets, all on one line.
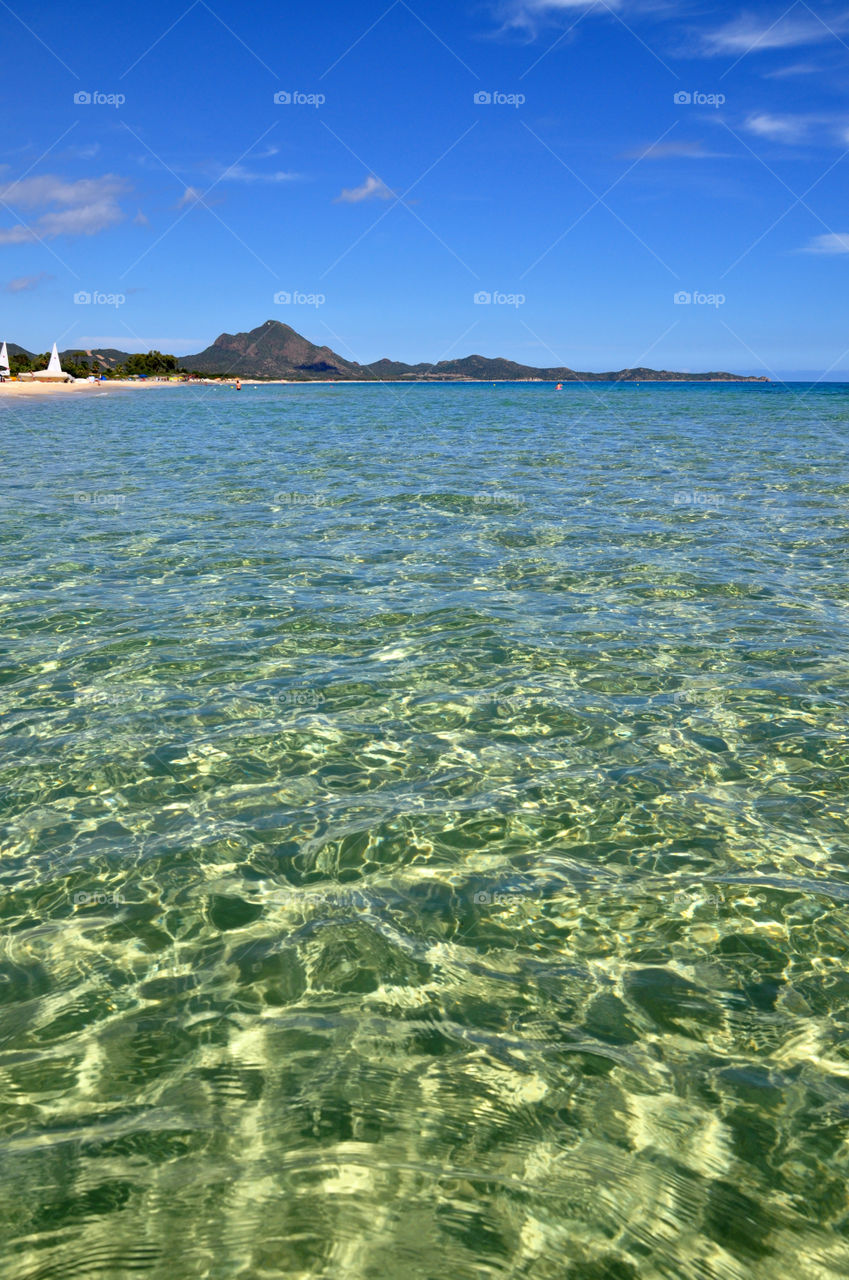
[(150, 364)]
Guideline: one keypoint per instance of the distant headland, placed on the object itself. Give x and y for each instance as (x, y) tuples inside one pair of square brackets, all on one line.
[(275, 351)]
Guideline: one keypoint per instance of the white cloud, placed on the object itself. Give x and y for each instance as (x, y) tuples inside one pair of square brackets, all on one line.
[(86, 206), (524, 9), (86, 220), (674, 151), (30, 193), (528, 15), (24, 284), (191, 195), (372, 189), (749, 34), (17, 235), (553, 6), (797, 69), (238, 173), (779, 128), (832, 242), (87, 152), (795, 129)]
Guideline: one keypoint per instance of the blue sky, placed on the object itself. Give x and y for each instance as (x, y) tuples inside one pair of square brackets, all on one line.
[(580, 166)]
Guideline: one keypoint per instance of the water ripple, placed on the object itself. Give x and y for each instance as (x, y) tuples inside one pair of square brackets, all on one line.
[(424, 835)]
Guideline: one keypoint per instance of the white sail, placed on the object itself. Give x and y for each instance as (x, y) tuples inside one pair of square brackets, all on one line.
[(53, 373), (4, 361)]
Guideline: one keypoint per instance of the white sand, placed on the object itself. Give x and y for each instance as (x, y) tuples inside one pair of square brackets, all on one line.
[(63, 388)]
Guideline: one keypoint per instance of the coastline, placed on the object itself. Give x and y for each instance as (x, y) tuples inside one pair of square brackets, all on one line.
[(15, 390)]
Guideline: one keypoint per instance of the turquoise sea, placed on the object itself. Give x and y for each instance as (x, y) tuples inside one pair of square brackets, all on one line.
[(425, 845)]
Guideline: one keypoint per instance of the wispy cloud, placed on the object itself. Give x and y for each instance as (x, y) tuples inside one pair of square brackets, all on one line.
[(85, 207), (797, 69), (748, 34), (25, 284), (82, 220), (198, 195), (372, 189), (673, 151), (795, 129), (238, 173), (191, 195), (30, 193), (551, 7), (17, 235), (832, 242), (786, 128), (528, 15), (86, 152)]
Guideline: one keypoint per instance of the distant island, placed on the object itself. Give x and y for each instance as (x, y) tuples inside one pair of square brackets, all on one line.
[(275, 351)]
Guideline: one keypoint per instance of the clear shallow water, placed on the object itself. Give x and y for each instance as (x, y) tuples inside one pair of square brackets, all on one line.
[(424, 834)]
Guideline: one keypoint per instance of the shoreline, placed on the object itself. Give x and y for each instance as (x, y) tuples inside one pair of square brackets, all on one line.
[(12, 388), (15, 389)]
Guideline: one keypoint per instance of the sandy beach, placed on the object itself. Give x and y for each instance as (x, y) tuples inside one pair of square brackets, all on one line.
[(15, 389)]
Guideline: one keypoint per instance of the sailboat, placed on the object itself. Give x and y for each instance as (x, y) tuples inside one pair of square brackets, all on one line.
[(53, 373), (4, 362)]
